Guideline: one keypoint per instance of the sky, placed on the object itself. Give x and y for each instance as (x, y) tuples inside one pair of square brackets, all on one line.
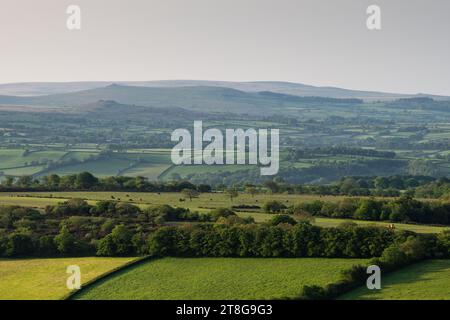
[(317, 42)]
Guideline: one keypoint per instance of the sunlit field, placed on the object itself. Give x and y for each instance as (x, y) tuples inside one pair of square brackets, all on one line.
[(218, 278), (427, 280), (45, 279)]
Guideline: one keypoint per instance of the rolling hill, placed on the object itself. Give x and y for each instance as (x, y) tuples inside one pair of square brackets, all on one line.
[(196, 98), (298, 89)]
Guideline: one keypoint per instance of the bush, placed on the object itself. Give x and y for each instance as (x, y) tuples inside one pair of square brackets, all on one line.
[(221, 212), (313, 293), (106, 246), (443, 241), (118, 243), (274, 207), (47, 246), (65, 241), (282, 218), (19, 244)]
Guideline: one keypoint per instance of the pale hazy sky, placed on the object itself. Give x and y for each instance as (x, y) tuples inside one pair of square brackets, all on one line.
[(319, 42)]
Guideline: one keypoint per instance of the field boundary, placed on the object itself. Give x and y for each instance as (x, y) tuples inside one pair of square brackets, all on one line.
[(165, 172), (392, 272), (106, 275)]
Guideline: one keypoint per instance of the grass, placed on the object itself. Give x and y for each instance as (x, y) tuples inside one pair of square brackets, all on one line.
[(100, 168), (218, 278), (427, 280), (186, 170), (45, 279), (79, 155), (12, 158), (23, 171), (153, 163), (148, 170), (205, 201), (331, 222)]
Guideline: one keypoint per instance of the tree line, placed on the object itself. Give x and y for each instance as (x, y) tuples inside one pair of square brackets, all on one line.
[(392, 186), (295, 154), (85, 181), (74, 227), (110, 228), (404, 209)]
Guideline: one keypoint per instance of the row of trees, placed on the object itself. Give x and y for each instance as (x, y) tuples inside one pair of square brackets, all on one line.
[(228, 236), (87, 181), (282, 240), (114, 209), (75, 227), (391, 186), (421, 186), (300, 240), (309, 153), (403, 209)]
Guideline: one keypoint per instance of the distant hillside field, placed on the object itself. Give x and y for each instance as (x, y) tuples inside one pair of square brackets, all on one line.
[(147, 163), (217, 278), (427, 280)]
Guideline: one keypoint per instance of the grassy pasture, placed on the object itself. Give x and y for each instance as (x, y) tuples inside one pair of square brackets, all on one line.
[(218, 278), (22, 171), (100, 168), (45, 279), (11, 158), (331, 222), (148, 170), (79, 155), (427, 280), (204, 201), (149, 164), (184, 171)]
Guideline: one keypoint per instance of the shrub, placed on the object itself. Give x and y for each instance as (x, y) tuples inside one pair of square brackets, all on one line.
[(65, 241), (222, 212), (274, 207), (313, 293), (19, 244), (282, 218)]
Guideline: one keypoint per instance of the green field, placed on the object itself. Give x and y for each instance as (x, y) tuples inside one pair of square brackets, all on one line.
[(11, 158), (217, 278), (428, 280), (149, 163), (185, 171), (23, 171), (45, 279), (332, 222), (102, 168), (204, 202), (79, 155), (148, 170)]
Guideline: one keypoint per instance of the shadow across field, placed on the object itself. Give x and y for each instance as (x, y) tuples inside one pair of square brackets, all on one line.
[(422, 281), (106, 276)]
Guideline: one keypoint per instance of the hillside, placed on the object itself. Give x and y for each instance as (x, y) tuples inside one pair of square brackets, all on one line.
[(198, 98), (298, 89)]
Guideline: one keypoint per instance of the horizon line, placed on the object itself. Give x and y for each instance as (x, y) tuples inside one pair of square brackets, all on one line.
[(229, 81)]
